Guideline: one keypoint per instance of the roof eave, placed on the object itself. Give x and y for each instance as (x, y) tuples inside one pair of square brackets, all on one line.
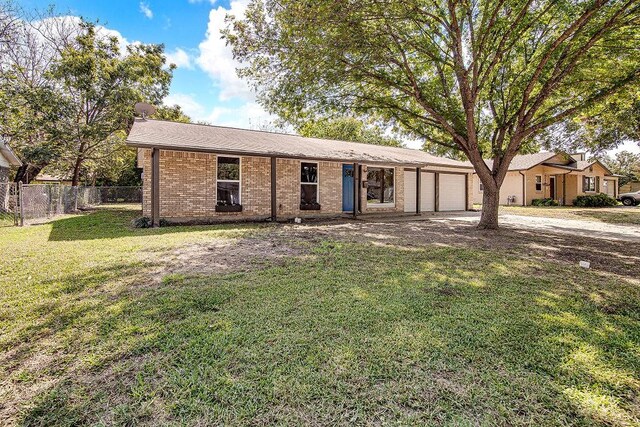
[(8, 154)]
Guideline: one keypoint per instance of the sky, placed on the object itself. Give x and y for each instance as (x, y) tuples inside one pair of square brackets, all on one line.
[(205, 83)]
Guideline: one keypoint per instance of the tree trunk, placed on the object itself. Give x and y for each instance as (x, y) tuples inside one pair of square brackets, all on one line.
[(76, 172), (27, 172), (490, 205)]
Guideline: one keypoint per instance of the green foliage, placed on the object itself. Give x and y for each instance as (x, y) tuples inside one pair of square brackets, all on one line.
[(98, 89), (544, 202), (172, 114), (600, 200), (141, 222), (625, 164), (347, 129), (69, 93)]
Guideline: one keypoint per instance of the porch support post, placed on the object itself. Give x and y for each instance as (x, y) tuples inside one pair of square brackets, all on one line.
[(418, 177), (466, 192), (155, 187), (436, 182), (564, 189), (274, 207), (356, 188)]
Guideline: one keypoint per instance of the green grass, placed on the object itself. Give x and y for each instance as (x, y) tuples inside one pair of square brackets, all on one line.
[(616, 215), (347, 334)]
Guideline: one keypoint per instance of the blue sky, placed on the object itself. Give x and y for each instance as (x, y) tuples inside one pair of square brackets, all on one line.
[(205, 83)]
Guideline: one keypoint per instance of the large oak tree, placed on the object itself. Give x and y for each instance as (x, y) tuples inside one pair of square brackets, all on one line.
[(482, 77)]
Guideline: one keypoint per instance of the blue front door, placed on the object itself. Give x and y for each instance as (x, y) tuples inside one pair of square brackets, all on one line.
[(347, 188)]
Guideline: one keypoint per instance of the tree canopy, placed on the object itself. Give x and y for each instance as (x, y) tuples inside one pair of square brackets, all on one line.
[(625, 164), (70, 92), (347, 129), (483, 78)]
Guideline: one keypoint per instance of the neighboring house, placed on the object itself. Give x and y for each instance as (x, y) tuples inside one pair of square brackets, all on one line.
[(8, 159), (45, 177), (558, 176), (199, 173)]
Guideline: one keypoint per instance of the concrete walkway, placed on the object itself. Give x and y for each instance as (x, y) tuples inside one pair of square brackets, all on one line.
[(595, 229)]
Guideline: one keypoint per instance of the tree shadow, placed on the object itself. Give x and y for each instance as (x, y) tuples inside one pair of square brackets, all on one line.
[(416, 334)]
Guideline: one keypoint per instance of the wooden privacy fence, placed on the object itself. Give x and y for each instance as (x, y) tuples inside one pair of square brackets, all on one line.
[(40, 201), (630, 187)]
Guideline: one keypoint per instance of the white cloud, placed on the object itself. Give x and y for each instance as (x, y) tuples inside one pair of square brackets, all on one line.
[(216, 58), (180, 58), (247, 116), (190, 106), (146, 10)]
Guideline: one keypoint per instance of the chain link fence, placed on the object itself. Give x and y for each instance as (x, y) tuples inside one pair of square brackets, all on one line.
[(42, 201), (8, 204)]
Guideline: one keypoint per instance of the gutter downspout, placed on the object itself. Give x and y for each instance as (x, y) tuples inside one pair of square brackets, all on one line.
[(524, 189)]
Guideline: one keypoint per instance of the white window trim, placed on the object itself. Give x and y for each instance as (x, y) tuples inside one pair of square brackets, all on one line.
[(535, 183), (239, 180), (388, 204), (317, 183)]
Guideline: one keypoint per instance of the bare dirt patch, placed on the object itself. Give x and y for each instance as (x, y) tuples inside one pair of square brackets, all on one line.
[(279, 243)]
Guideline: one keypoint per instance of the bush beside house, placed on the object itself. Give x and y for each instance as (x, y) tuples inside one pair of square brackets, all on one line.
[(544, 202), (594, 201)]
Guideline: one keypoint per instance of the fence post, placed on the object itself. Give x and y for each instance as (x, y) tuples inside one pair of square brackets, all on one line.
[(20, 201)]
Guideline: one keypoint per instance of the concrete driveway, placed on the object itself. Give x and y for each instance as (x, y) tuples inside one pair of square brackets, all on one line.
[(595, 229)]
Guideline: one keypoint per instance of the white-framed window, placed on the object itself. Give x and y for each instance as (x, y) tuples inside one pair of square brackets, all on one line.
[(228, 181), (538, 182), (380, 185), (588, 183), (309, 184)]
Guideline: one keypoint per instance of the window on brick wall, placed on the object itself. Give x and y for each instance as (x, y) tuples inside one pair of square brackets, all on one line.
[(309, 185), (228, 181), (380, 185)]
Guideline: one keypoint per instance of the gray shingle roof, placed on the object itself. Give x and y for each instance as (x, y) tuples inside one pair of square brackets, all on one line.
[(226, 140), (526, 161)]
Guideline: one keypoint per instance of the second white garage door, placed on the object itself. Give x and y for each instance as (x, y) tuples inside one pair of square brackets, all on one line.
[(452, 192)]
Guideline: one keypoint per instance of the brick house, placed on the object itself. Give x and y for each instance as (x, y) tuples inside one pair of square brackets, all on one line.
[(559, 176), (200, 173)]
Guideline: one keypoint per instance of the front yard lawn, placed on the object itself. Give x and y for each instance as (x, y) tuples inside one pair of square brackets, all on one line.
[(617, 215), (415, 323)]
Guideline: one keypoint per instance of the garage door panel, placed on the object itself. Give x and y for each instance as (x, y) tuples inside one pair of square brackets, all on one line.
[(428, 192), (452, 192)]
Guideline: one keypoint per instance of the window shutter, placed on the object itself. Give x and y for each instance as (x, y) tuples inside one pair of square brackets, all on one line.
[(597, 184), (584, 184)]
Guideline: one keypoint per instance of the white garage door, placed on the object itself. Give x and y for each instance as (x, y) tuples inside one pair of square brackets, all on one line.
[(609, 187), (452, 192), (427, 192)]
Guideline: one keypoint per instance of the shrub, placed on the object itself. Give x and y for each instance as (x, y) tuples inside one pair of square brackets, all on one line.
[(142, 222), (544, 202), (594, 201)]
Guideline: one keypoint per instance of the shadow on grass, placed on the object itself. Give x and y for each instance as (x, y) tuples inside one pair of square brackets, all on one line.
[(358, 335), (114, 223)]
